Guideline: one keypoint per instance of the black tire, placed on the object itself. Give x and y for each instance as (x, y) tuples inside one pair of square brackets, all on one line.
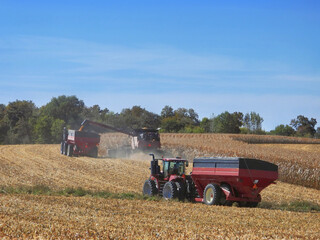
[(149, 188), (169, 191), (70, 150), (94, 152), (252, 204), (181, 189), (223, 200), (212, 194), (61, 148), (65, 148)]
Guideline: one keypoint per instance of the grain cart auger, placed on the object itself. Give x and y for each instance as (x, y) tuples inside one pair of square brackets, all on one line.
[(213, 181), (85, 141)]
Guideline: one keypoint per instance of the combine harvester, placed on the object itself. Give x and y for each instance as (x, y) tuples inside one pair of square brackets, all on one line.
[(83, 142), (213, 181)]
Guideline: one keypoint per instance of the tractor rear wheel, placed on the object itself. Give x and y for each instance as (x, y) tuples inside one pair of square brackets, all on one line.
[(70, 150), (150, 188), (170, 191), (212, 194)]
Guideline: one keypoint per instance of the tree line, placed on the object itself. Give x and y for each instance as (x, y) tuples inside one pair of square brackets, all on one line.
[(23, 122)]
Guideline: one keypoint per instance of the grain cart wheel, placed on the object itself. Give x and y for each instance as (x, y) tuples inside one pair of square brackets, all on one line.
[(94, 152), (150, 188), (212, 194), (65, 148), (227, 188), (181, 189), (252, 204), (169, 191), (70, 150), (61, 148)]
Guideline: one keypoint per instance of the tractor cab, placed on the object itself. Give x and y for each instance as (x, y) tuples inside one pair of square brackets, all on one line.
[(171, 168)]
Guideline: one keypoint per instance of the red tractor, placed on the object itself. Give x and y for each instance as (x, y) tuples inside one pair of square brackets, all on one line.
[(171, 182), (213, 181)]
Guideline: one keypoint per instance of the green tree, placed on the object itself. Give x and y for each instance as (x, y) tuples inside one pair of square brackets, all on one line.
[(167, 112), (56, 130), (227, 122), (180, 120), (3, 124), (95, 113), (42, 129), (253, 122), (19, 117), (317, 135), (283, 130), (66, 108), (205, 124), (303, 126), (138, 117)]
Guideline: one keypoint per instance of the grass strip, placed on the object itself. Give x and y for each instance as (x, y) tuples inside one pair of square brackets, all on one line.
[(294, 206)]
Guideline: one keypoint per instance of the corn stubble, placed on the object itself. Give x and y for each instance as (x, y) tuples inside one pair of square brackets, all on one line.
[(47, 217), (298, 163), (25, 216)]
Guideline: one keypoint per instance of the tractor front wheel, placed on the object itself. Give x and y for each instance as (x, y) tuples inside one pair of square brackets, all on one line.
[(212, 194), (170, 191), (149, 188)]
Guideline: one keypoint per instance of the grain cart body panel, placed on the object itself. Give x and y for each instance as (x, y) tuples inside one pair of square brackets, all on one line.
[(246, 177), (83, 142)]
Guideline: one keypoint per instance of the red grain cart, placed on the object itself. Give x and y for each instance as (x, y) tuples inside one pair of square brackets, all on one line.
[(213, 181), (228, 180), (80, 143)]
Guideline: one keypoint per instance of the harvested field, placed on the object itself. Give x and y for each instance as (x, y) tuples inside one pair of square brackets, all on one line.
[(296, 165), (32, 165), (44, 217), (26, 216)]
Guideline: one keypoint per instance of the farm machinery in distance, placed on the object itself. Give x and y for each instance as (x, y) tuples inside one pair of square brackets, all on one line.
[(213, 181), (85, 141)]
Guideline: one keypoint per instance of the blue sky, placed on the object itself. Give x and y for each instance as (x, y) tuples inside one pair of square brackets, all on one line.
[(213, 56)]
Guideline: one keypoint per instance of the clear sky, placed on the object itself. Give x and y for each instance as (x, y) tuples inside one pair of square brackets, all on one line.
[(213, 56)]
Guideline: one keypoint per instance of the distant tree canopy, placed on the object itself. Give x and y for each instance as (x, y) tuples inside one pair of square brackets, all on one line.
[(304, 126), (228, 122), (283, 130), (179, 120), (253, 122), (23, 122)]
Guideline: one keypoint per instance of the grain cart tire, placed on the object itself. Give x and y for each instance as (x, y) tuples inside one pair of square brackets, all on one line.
[(170, 191), (223, 201), (149, 188), (70, 150), (252, 204), (212, 194), (65, 148), (181, 188), (61, 148), (94, 152)]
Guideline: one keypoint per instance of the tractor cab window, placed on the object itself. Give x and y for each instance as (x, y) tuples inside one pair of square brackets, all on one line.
[(173, 168)]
